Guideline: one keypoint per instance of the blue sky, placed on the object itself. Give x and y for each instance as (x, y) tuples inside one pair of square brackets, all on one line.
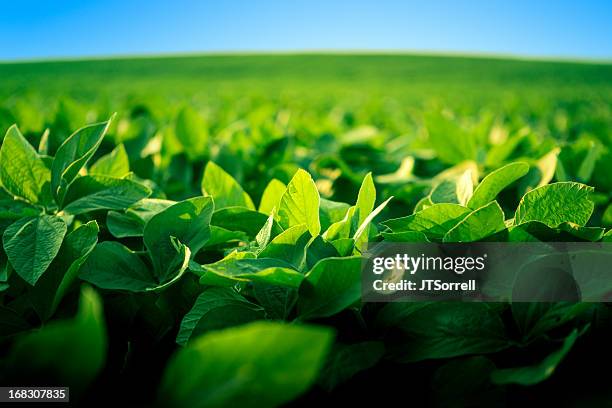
[(42, 29)]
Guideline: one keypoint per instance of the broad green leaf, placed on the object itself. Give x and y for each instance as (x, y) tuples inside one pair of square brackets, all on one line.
[(434, 221), (495, 182), (132, 222), (122, 225), (92, 193), (13, 210), (43, 353), (114, 266), (217, 308), (145, 209), (73, 155), (260, 364), (290, 245), (188, 221), (271, 196), (556, 203), (300, 203), (455, 190), (63, 271), (221, 236), (32, 243), (422, 204), (342, 229), (22, 172), (320, 249), (192, 132), (278, 301), (452, 143), (330, 212), (224, 189), (478, 224), (242, 219), (537, 373), (565, 232), (228, 271), (443, 330), (331, 286), (114, 164)]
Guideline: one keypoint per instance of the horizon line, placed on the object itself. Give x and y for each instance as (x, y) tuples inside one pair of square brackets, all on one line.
[(322, 51)]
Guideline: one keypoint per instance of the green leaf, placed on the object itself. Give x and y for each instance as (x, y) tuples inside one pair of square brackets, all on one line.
[(230, 270), (13, 210), (452, 143), (42, 353), (22, 172), (92, 193), (114, 266), (264, 235), (556, 203), (331, 212), (331, 286), (495, 182), (434, 221), (361, 233), (290, 245), (271, 196), (188, 221), (217, 308), (224, 189), (32, 243), (342, 229), (443, 330), (256, 365), (73, 155), (457, 189), (537, 373), (242, 219), (222, 237), (478, 224), (132, 222), (278, 301), (366, 199), (300, 203), (115, 164), (63, 271), (123, 225), (192, 132)]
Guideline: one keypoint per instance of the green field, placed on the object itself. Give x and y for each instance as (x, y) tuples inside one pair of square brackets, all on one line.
[(203, 247)]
